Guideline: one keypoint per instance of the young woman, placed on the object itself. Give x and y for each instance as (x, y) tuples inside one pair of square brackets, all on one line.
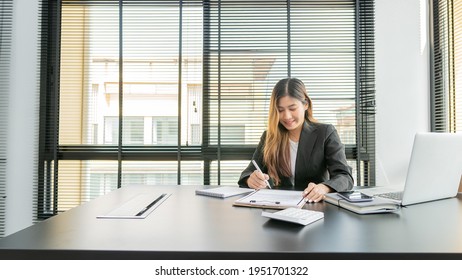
[(296, 152)]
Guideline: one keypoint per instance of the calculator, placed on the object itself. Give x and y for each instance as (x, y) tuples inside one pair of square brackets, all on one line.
[(295, 215)]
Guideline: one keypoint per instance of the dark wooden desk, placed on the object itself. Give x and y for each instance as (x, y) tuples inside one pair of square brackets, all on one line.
[(188, 226)]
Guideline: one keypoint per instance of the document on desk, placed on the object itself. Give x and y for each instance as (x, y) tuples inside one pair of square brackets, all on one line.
[(271, 198), (138, 207)]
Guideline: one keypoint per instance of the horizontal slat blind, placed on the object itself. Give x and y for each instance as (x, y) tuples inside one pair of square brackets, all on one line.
[(456, 98), (447, 66), (250, 45), (442, 74), (323, 56), (246, 56), (89, 72), (6, 20)]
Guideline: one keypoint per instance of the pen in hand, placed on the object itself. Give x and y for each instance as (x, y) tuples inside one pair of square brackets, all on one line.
[(259, 170)]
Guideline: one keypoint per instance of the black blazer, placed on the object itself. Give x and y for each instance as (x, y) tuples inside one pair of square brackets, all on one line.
[(320, 159)]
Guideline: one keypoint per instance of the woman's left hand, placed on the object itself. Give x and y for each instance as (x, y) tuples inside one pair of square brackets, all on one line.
[(315, 192)]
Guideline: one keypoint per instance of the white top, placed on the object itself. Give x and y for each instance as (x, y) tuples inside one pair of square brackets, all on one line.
[(293, 158)]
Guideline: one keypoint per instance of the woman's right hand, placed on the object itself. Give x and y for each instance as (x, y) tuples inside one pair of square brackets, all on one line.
[(257, 181)]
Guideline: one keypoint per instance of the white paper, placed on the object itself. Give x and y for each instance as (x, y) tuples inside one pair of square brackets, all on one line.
[(273, 198)]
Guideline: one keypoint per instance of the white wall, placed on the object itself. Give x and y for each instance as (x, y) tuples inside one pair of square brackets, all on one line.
[(22, 145), (402, 97), (402, 84)]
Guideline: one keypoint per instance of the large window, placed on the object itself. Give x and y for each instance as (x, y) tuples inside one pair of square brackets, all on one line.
[(447, 66), (177, 92)]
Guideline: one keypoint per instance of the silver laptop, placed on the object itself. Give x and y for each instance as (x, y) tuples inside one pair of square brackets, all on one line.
[(434, 172)]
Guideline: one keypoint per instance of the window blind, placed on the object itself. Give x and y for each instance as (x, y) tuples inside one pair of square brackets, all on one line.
[(447, 66), (364, 152), (456, 98), (177, 92), (6, 18)]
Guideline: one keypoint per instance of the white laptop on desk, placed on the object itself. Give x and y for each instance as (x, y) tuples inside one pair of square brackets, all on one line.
[(434, 172)]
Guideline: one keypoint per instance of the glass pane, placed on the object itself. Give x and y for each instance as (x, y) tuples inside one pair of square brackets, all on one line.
[(81, 181), (165, 130), (161, 173), (133, 130), (151, 51), (323, 56), (149, 173), (230, 171), (90, 90), (352, 164), (89, 55), (340, 113), (192, 173), (248, 56)]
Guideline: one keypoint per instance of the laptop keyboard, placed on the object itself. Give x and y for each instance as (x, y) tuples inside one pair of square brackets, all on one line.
[(392, 195)]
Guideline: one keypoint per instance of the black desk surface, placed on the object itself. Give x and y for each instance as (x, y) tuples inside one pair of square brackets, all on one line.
[(189, 226)]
